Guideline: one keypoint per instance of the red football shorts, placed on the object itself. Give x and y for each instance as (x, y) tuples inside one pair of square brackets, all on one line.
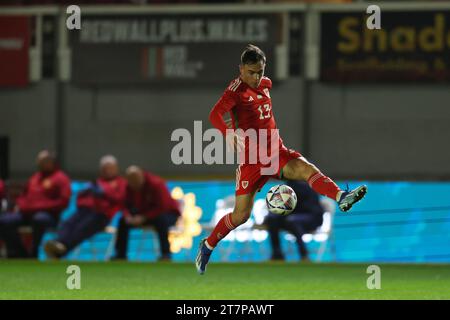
[(249, 177)]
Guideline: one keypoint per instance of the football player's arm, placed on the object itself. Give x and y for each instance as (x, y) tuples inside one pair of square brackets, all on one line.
[(224, 105)]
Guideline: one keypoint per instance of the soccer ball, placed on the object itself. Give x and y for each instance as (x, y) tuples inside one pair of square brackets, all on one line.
[(281, 199)]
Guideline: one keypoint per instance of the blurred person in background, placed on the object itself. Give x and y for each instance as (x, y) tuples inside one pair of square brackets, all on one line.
[(46, 195), (96, 205), (148, 203), (306, 217), (2, 191)]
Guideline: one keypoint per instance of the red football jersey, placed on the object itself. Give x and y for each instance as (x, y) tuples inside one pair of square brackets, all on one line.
[(249, 108)]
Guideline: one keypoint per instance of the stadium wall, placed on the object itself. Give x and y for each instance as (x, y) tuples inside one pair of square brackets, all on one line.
[(27, 117), (381, 131), (135, 124), (377, 131), (371, 131)]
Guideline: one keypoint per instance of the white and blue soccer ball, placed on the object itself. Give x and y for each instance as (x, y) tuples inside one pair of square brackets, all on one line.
[(281, 199)]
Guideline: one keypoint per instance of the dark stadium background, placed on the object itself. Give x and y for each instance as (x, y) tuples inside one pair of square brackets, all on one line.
[(364, 105)]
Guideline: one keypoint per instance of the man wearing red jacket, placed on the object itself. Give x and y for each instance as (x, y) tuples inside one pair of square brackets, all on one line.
[(2, 190), (46, 195), (3, 205), (96, 205), (148, 202)]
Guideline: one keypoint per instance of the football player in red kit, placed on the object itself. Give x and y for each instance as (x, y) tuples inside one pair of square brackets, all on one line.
[(248, 101)]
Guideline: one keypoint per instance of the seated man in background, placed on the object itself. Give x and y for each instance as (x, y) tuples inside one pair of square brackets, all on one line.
[(148, 202), (46, 195), (2, 193), (96, 205), (306, 217)]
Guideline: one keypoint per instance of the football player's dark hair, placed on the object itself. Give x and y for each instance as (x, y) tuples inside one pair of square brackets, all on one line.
[(252, 54)]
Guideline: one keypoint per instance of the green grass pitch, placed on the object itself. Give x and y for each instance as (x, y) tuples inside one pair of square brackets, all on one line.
[(168, 281)]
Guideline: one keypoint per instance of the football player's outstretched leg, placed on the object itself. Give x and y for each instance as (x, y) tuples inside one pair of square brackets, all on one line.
[(230, 221), (301, 169)]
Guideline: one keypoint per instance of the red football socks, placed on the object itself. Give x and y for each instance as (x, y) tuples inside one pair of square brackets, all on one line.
[(324, 185), (223, 227)]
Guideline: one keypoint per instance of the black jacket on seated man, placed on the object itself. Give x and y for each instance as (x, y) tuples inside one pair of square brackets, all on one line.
[(306, 217)]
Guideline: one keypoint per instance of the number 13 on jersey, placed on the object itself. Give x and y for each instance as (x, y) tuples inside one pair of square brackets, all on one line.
[(264, 111)]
